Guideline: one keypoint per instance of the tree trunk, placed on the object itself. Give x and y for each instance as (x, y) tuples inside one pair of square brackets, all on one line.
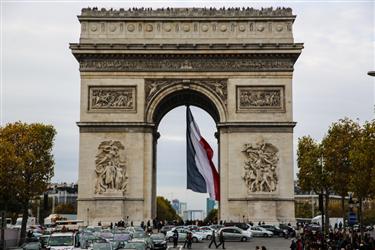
[(360, 216), (25, 215), (326, 201), (343, 213), (3, 224)]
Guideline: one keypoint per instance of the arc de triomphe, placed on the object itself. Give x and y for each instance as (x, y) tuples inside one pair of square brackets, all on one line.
[(138, 64)]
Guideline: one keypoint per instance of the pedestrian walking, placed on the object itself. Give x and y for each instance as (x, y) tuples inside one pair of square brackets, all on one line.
[(213, 240), (175, 238), (188, 240), (221, 240)]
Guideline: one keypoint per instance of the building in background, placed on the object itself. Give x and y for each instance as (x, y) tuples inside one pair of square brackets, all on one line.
[(193, 215), (210, 204), (183, 208), (176, 206), (63, 193)]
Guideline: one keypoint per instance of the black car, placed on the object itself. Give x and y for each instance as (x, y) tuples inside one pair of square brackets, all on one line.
[(159, 241), (291, 231), (275, 230)]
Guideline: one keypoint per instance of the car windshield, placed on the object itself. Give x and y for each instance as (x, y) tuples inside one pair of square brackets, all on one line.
[(101, 246), (61, 240)]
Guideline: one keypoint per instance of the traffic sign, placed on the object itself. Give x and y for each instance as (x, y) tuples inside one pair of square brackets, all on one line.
[(352, 218)]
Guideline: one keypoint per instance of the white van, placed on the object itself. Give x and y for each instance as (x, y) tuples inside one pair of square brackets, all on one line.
[(61, 241)]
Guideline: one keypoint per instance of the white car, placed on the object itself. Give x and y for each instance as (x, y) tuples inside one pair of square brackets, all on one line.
[(61, 241), (182, 233), (258, 231)]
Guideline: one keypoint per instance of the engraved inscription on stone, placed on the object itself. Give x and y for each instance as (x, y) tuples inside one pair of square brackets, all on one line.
[(260, 173), (112, 98), (251, 98), (110, 169)]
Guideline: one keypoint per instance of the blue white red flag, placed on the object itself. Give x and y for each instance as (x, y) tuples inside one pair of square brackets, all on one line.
[(202, 175)]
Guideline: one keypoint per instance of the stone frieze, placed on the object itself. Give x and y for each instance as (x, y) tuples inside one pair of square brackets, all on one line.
[(194, 63), (110, 169), (121, 98), (255, 98), (260, 169), (187, 12)]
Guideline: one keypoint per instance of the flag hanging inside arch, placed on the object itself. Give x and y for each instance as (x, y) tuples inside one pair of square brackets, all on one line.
[(202, 176)]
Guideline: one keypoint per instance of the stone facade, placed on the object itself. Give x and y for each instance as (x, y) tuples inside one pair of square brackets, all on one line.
[(138, 64)]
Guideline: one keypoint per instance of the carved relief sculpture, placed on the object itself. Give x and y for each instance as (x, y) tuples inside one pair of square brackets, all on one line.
[(260, 98), (110, 169), (260, 170), (112, 98)]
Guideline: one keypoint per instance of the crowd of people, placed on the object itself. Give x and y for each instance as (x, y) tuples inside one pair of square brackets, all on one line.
[(338, 238)]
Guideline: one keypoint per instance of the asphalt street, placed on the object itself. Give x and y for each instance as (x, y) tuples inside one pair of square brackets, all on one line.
[(269, 243)]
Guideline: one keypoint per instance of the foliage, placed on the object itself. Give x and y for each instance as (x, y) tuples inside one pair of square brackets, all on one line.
[(362, 155), (336, 147), (165, 210), (311, 176), (28, 162), (212, 217), (303, 210), (65, 209)]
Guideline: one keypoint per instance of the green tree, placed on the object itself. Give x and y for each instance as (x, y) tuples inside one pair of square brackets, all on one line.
[(164, 210), (212, 217), (312, 174), (336, 147), (65, 209), (362, 155), (30, 162)]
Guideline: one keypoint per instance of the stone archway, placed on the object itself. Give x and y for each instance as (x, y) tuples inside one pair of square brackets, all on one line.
[(136, 65)]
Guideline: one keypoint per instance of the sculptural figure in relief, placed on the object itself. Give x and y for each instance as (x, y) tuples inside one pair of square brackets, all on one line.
[(260, 167), (110, 169), (103, 98)]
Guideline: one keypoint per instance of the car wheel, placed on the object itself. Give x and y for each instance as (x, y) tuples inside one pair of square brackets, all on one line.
[(170, 239), (281, 234), (195, 239), (208, 237), (265, 235), (243, 239)]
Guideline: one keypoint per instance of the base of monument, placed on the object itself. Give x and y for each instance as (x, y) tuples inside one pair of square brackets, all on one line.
[(272, 211), (107, 210)]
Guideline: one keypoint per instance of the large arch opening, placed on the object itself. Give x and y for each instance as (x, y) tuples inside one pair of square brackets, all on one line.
[(169, 150)]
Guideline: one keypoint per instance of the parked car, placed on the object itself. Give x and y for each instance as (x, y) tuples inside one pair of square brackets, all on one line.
[(166, 228), (235, 234), (159, 241), (102, 246), (243, 226), (206, 234), (258, 231), (275, 230), (291, 231)]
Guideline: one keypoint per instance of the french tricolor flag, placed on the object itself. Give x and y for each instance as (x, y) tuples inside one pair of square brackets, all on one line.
[(202, 175)]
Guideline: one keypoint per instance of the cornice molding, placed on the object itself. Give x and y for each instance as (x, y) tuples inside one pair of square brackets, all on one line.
[(185, 13), (186, 62)]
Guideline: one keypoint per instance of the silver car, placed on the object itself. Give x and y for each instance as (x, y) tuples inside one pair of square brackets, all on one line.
[(260, 232), (234, 234)]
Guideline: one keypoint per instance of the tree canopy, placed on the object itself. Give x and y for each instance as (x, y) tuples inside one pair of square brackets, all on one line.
[(165, 211), (26, 163)]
